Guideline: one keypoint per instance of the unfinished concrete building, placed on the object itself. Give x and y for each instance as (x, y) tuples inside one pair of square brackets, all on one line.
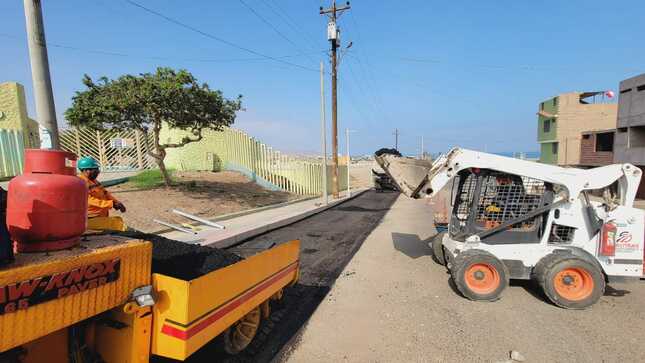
[(630, 127), (597, 148), (563, 119)]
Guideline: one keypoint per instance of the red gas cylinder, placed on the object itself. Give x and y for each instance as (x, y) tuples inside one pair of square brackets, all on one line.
[(47, 204)]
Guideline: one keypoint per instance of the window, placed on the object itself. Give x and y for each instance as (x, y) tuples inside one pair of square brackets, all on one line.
[(554, 148), (555, 101), (605, 141), (625, 90), (542, 106), (586, 137), (622, 129), (641, 88), (546, 127), (636, 137)]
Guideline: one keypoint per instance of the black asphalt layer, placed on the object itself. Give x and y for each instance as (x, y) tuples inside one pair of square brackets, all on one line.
[(181, 260), (329, 240)]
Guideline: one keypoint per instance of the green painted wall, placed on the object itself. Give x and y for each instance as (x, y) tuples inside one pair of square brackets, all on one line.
[(232, 149), (545, 139), (547, 155)]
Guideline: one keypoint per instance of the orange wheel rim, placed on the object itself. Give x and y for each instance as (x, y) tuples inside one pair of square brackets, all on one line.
[(573, 284), (482, 278)]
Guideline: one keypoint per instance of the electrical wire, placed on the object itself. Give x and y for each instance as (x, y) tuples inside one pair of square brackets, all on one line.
[(129, 55), (275, 29), (216, 38), (289, 21)]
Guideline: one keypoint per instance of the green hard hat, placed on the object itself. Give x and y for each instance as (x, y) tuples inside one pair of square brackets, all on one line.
[(87, 162)]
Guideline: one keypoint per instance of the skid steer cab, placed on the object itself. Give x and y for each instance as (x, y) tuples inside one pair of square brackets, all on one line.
[(571, 230)]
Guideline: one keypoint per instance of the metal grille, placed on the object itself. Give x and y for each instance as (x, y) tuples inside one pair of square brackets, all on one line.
[(561, 234), (465, 198), (116, 151), (504, 197)]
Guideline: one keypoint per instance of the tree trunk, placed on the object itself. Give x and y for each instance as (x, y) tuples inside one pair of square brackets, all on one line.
[(164, 172), (161, 155)]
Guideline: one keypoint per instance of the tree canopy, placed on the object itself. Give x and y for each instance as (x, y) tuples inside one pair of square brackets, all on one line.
[(148, 102)]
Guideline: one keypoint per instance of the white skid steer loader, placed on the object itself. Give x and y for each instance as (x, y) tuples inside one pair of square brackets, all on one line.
[(572, 230)]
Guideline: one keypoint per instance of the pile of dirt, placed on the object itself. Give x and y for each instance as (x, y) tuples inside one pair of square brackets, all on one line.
[(182, 260)]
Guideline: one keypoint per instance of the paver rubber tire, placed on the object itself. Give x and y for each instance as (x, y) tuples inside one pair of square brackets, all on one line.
[(437, 249), (240, 335), (570, 282), (479, 276)]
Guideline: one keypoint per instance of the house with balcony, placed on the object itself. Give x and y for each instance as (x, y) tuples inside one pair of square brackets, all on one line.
[(563, 119)]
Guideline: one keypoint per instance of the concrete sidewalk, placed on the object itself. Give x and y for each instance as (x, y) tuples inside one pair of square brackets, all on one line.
[(247, 225)]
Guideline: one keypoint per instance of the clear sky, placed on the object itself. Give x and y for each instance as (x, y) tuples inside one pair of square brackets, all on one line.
[(467, 73)]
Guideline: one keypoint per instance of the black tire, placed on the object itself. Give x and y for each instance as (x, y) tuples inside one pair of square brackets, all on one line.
[(479, 276), (570, 282), (437, 249), (231, 343)]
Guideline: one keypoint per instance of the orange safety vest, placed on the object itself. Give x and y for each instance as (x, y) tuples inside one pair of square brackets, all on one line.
[(99, 200)]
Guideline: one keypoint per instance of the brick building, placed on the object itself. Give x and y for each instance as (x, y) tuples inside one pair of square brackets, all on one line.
[(562, 119), (597, 148)]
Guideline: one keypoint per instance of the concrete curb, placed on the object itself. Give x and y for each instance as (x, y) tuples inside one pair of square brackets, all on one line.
[(241, 213), (233, 240), (113, 182)]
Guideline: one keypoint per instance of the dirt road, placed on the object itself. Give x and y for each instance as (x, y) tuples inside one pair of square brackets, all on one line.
[(392, 303), (328, 242)]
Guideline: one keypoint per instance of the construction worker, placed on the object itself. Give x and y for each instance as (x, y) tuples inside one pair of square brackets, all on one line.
[(99, 201)]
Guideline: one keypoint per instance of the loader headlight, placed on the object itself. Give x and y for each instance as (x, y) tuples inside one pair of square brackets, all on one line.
[(143, 296)]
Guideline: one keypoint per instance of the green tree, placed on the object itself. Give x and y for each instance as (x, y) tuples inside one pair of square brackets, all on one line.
[(148, 102)]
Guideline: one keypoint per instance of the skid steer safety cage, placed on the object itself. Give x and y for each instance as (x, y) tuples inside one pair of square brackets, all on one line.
[(485, 199)]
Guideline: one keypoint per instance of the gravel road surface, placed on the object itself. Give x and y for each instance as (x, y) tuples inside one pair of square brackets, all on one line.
[(392, 303)]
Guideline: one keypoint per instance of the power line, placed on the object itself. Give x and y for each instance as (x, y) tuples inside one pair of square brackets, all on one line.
[(362, 90), (130, 55), (366, 70), (502, 67), (275, 29), (216, 38), (289, 21)]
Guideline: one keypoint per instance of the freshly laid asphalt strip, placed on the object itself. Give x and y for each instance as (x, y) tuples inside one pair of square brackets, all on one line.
[(182, 260), (328, 240)]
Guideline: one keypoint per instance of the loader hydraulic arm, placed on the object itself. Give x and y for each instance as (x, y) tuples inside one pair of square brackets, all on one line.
[(417, 182)]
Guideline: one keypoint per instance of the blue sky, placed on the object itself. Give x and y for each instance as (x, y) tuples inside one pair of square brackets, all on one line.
[(467, 73)]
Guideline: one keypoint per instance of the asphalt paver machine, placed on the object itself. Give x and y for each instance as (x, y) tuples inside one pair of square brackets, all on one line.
[(572, 230)]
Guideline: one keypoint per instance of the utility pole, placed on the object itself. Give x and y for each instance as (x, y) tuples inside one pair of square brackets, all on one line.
[(45, 109), (333, 35), (396, 138), (422, 151), (349, 161), (323, 135)]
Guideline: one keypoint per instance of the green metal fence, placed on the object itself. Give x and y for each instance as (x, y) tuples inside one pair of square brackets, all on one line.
[(12, 152), (233, 149)]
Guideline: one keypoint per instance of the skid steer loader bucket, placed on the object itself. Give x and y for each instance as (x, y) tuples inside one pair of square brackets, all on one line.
[(408, 174)]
